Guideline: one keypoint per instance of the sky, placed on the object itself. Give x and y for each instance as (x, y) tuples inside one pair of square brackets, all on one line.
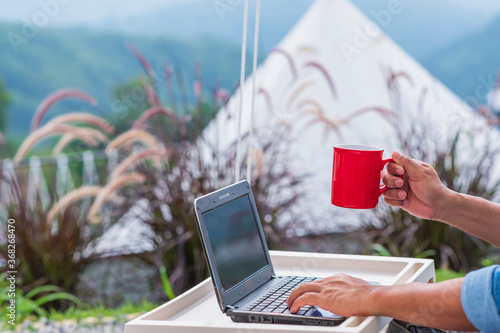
[(423, 28), (83, 12), (91, 12)]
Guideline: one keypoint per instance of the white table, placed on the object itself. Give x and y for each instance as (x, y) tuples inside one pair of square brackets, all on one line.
[(197, 310)]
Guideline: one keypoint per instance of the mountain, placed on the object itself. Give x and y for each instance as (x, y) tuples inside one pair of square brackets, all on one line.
[(220, 19), (94, 57), (97, 62), (420, 27), (469, 66), (426, 26)]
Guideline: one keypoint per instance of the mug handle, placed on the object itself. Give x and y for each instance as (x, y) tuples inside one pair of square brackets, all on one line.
[(384, 188)]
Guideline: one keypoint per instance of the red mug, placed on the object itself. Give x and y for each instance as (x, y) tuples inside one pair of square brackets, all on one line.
[(356, 176)]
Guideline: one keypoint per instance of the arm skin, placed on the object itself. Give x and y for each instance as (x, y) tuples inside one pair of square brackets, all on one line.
[(420, 192), (435, 305), (415, 187)]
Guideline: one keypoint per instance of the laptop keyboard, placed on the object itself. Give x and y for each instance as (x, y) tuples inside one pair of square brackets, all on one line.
[(274, 301)]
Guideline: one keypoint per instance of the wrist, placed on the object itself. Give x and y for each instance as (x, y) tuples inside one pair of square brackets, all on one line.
[(373, 302), (448, 207)]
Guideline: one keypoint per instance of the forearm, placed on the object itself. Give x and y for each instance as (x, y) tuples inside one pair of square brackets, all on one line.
[(434, 305), (474, 215)]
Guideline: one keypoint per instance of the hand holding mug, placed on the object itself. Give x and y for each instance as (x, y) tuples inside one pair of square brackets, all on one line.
[(419, 191)]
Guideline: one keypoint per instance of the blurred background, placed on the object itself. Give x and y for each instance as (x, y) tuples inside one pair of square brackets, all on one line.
[(111, 115)]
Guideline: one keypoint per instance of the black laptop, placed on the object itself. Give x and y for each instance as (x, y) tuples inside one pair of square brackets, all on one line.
[(245, 284)]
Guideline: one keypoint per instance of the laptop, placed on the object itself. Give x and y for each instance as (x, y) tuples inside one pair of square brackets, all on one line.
[(246, 286)]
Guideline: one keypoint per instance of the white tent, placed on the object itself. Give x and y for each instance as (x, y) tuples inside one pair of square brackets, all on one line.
[(334, 62)]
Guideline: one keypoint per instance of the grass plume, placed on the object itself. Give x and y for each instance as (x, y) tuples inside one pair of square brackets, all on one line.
[(127, 163), (289, 59), (90, 136), (326, 75), (295, 93), (56, 97), (133, 135), (142, 59), (85, 118), (48, 131), (106, 192), (69, 198)]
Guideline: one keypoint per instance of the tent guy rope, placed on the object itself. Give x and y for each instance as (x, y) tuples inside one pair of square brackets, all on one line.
[(242, 80), (254, 70)]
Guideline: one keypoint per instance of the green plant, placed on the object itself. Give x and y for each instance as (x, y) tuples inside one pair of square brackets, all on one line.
[(166, 283), (443, 274), (4, 103), (85, 311), (32, 302)]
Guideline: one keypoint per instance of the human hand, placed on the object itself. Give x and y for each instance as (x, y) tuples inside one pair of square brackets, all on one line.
[(415, 187), (341, 294)]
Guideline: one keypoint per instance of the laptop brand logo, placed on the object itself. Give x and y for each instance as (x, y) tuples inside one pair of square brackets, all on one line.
[(223, 196)]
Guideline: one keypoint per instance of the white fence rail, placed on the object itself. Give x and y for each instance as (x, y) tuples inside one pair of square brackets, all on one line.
[(29, 179)]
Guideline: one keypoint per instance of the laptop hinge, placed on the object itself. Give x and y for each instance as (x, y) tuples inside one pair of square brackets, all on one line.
[(229, 307)]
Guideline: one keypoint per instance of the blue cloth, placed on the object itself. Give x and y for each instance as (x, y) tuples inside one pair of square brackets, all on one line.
[(481, 298)]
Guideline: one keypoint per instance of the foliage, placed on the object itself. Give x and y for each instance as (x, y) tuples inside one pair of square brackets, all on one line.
[(167, 287), (128, 105), (52, 249), (86, 311), (32, 302), (4, 103), (49, 253), (443, 274)]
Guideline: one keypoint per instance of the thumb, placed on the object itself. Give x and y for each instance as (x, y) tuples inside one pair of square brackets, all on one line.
[(410, 165)]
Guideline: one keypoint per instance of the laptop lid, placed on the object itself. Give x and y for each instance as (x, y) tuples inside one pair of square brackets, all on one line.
[(234, 242)]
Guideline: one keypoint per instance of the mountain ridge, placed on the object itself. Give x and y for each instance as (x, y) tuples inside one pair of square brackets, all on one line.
[(97, 62), (469, 66)]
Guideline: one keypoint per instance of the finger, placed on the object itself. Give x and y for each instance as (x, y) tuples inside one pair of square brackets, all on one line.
[(395, 203), (410, 165), (310, 298), (395, 169), (395, 194), (302, 289), (391, 181)]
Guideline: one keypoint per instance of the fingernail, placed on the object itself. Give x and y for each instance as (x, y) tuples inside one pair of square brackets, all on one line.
[(399, 182), (406, 202), (401, 194), (396, 154)]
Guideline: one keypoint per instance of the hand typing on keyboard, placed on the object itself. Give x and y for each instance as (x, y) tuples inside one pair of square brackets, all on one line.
[(274, 301), (341, 294)]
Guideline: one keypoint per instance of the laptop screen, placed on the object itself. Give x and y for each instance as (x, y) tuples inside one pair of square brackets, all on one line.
[(235, 241)]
